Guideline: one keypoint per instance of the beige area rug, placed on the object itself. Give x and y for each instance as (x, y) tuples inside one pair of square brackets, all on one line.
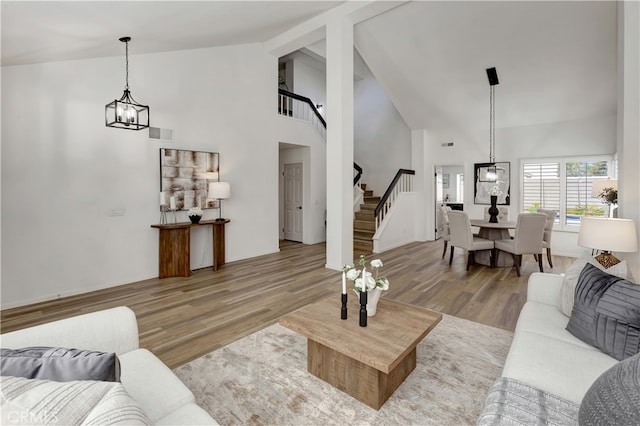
[(262, 379)]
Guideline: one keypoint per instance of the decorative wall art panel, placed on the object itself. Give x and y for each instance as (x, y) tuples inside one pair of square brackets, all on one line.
[(185, 175), (482, 185)]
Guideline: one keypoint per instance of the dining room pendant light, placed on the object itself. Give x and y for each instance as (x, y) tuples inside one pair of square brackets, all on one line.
[(126, 112), (492, 174)]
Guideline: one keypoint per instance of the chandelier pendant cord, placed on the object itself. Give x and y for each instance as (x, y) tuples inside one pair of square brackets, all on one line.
[(126, 86), (492, 132)]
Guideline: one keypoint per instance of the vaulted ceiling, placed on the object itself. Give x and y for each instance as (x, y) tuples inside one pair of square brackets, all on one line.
[(47, 31), (556, 61)]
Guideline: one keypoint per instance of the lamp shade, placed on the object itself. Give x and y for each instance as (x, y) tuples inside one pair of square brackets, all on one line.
[(219, 190), (600, 184), (608, 234)]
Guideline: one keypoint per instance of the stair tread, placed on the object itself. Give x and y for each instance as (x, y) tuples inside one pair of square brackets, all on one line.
[(364, 224)]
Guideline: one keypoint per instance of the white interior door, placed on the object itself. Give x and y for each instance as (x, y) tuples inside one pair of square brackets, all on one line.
[(293, 202)]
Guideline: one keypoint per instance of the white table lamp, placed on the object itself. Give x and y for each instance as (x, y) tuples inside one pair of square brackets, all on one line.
[(219, 191), (608, 235)]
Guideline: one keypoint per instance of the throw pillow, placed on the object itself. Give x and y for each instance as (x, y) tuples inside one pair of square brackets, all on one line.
[(568, 289), (614, 398), (78, 402), (59, 364), (606, 313)]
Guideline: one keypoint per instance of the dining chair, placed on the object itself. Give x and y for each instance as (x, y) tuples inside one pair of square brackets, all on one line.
[(503, 214), (444, 225), (527, 240), (548, 230), (462, 237)]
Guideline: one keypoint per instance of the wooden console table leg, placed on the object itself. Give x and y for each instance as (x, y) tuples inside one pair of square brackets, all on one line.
[(175, 253), (218, 245)]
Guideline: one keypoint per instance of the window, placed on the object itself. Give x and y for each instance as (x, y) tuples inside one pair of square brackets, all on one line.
[(565, 185)]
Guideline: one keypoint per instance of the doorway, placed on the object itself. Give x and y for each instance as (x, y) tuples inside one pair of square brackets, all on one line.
[(449, 191), (292, 192)]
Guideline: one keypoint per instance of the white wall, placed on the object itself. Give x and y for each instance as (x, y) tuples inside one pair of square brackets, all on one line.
[(62, 169), (580, 137), (310, 80), (311, 152), (382, 140), (628, 123), (398, 228)]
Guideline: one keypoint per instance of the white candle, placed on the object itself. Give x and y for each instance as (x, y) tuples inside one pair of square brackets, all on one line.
[(364, 279), (172, 203), (163, 199), (344, 282)]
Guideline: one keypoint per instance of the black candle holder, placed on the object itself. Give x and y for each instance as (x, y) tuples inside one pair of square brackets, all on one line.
[(363, 309), (343, 310)]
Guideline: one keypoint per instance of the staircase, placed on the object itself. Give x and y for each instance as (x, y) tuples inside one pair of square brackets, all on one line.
[(364, 225)]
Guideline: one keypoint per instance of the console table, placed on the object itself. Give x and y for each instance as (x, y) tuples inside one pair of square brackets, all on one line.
[(175, 247)]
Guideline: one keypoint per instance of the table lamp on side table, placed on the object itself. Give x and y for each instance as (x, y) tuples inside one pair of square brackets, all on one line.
[(219, 191), (608, 234)]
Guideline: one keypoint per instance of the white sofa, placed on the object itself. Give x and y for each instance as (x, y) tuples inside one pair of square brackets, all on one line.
[(544, 354), (163, 397)]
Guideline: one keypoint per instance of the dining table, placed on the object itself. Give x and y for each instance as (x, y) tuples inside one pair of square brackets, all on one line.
[(493, 231)]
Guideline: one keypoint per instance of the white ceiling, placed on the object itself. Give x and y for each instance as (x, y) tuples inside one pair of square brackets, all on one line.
[(556, 61), (47, 31)]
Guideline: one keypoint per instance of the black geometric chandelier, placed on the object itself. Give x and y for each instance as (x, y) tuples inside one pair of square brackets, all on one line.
[(126, 113), (492, 174)]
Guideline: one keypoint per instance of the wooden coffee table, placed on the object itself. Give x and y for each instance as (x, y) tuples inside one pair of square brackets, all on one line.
[(368, 363)]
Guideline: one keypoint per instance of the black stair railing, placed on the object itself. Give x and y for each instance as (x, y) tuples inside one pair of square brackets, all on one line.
[(358, 175), (379, 208)]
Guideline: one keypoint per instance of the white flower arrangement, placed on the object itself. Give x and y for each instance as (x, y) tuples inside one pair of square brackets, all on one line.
[(495, 190), (369, 280), (195, 211)]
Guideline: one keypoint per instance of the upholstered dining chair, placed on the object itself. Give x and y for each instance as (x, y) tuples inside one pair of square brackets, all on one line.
[(527, 239), (503, 215), (444, 227), (462, 237), (548, 230)]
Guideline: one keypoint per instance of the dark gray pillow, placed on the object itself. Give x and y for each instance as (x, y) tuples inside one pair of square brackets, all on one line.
[(606, 313), (59, 364), (614, 398)]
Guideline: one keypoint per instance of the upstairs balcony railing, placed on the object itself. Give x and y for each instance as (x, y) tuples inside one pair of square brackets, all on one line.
[(299, 107)]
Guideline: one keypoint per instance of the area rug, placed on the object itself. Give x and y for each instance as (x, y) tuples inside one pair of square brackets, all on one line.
[(262, 379)]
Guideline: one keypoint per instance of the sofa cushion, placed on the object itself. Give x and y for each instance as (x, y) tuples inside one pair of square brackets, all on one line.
[(554, 366), (614, 399), (606, 313), (153, 384), (59, 364), (570, 281), (548, 321)]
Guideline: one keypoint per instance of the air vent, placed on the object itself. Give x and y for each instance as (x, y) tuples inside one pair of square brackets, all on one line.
[(158, 134)]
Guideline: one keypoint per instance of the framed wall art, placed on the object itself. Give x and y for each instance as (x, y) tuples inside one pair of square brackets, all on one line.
[(483, 185), (185, 175)]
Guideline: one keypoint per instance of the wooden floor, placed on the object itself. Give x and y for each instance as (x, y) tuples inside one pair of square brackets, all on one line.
[(181, 319)]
